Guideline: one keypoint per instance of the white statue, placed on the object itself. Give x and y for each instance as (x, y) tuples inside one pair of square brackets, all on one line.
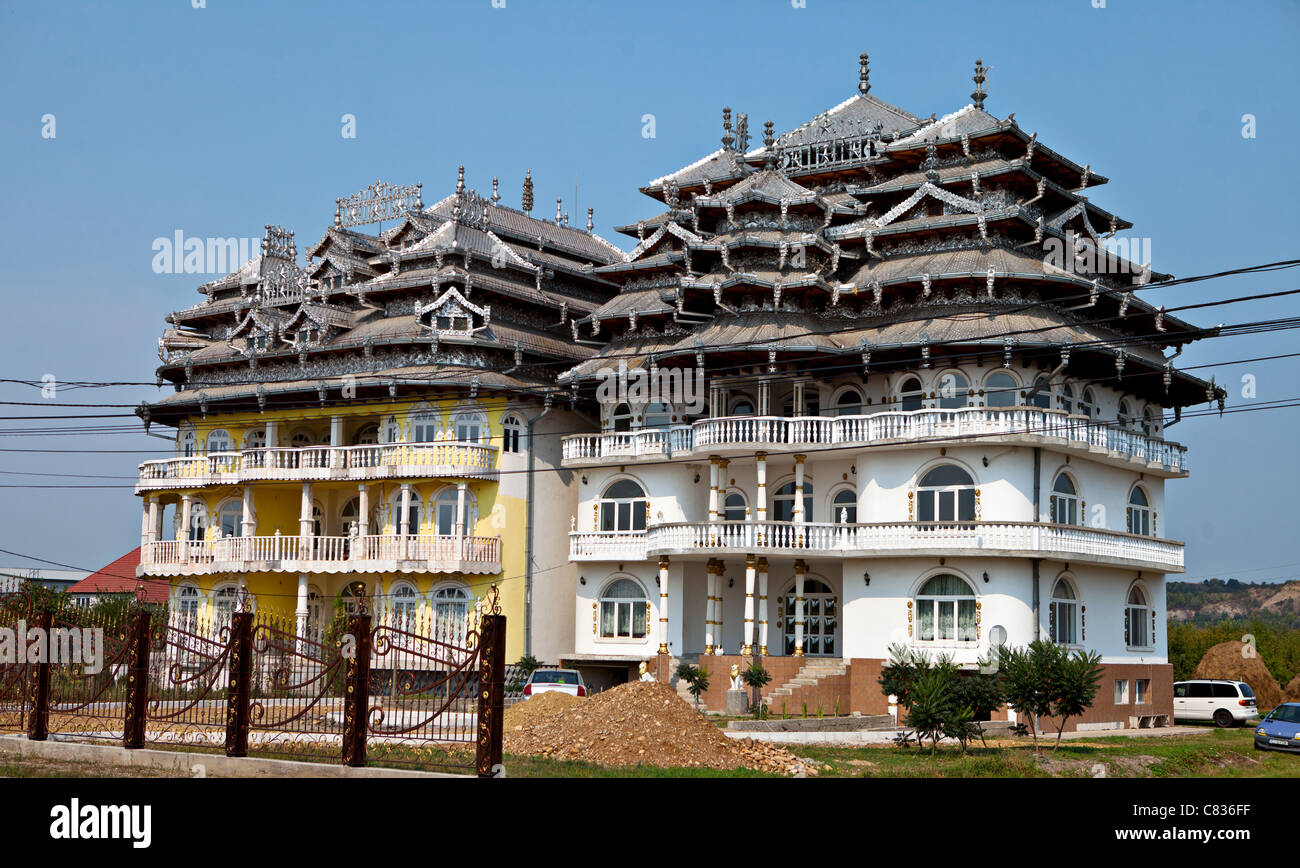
[(645, 673), (735, 678)]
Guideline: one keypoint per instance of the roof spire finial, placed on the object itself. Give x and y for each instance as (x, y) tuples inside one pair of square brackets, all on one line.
[(769, 152), (496, 193), (460, 181), (591, 219), (558, 214), (864, 83), (419, 196), (726, 128), (981, 76), (527, 202), (338, 213), (742, 131)]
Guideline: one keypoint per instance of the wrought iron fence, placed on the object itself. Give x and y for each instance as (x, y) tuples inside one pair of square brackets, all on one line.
[(404, 692)]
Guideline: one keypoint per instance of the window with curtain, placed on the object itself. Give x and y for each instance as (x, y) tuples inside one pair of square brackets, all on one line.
[(1139, 512), (223, 604), (1064, 614), (231, 518), (469, 427), (219, 441), (623, 507), (405, 604), (945, 493), (945, 610), (451, 604), (1000, 390), (187, 607), (1065, 500), (844, 506), (623, 611)]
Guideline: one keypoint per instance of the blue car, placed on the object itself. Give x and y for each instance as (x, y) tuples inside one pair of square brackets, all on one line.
[(1280, 729)]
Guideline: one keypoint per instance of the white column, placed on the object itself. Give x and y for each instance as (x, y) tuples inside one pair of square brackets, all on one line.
[(799, 569), (304, 512), (751, 567), (336, 440), (155, 520), (663, 605), (301, 612), (764, 398), (710, 589), (272, 433), (797, 399), (248, 521), (404, 519), (760, 500), (762, 606), (798, 489), (363, 510), (183, 533), (460, 510), (146, 525), (717, 612), (713, 488)]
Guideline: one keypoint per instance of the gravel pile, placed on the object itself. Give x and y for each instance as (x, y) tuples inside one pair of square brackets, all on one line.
[(639, 723)]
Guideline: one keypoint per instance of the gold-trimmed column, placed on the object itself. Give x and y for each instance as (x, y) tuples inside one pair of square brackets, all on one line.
[(714, 571), (663, 604), (762, 606), (713, 488), (760, 500), (800, 568), (717, 611), (751, 567)]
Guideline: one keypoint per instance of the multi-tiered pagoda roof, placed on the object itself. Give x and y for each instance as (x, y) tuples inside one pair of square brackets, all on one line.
[(872, 236)]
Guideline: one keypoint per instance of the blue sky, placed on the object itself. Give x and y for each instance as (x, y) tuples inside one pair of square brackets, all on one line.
[(218, 120)]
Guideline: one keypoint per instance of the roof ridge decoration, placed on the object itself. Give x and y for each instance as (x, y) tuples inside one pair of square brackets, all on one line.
[(502, 252), (864, 81), (378, 202), (526, 201), (980, 77), (452, 304)]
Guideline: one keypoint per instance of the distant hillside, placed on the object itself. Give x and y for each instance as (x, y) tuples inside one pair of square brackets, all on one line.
[(1212, 601)]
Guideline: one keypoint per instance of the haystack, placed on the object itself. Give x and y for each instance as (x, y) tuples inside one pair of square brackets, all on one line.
[(1225, 660), (1293, 690)]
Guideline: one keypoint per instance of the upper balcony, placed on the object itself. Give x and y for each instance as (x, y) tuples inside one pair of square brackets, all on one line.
[(887, 539), (738, 435), (381, 553), (320, 463)]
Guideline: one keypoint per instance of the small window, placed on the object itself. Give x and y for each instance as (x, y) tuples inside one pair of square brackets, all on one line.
[(1067, 399), (424, 427), (469, 427), (1121, 691), (219, 441), (783, 502), (1225, 691), (1065, 500), (367, 435), (1088, 403), (1064, 614), (1137, 615), (1141, 687), (622, 418), (844, 506), (742, 407), (945, 493), (910, 395), (623, 611), (405, 605), (733, 507), (954, 391), (1139, 512), (658, 416), (945, 610), (623, 507), (849, 403), (1125, 417), (1043, 394), (1000, 390), (512, 430)]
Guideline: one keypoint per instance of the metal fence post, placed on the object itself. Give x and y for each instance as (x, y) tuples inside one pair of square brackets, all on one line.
[(139, 639), (240, 693), (356, 698), (491, 694), (38, 725)]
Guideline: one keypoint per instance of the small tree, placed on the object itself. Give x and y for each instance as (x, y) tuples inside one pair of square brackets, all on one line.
[(1030, 677), (929, 710), (696, 678), (1078, 675), (756, 678)]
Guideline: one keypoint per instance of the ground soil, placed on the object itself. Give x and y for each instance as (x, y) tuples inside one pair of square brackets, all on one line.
[(639, 723)]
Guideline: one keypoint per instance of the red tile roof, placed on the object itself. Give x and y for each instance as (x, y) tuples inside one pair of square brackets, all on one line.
[(119, 578)]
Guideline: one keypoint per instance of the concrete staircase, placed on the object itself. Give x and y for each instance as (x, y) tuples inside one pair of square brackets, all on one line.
[(809, 677)]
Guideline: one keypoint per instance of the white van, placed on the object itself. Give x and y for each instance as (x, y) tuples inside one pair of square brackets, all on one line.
[(1227, 703)]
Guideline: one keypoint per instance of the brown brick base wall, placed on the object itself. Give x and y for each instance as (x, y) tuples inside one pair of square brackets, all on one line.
[(1159, 699)]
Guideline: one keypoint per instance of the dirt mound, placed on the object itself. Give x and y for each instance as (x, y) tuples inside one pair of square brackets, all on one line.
[(639, 723), (1225, 660), (542, 705), (1293, 690)]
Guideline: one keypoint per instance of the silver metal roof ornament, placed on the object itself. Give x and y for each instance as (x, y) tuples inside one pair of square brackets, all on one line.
[(527, 201), (864, 74), (496, 192), (980, 78)]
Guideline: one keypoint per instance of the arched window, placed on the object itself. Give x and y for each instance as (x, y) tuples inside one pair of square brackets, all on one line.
[(188, 446), (445, 511), (255, 438), (1125, 417), (1043, 396), (821, 618), (367, 435), (230, 518), (844, 506), (1139, 512), (392, 431), (1137, 633), (1000, 390), (1067, 398), (219, 441), (512, 432), (1065, 500), (910, 395), (623, 507), (469, 426), (945, 493), (187, 607), (223, 604), (742, 406), (733, 506), (954, 390), (350, 515), (424, 427), (1088, 403), (783, 502), (315, 620), (414, 513), (300, 439), (405, 605), (945, 610), (1064, 614), (811, 405), (198, 528), (623, 611), (451, 613), (317, 520), (1148, 422), (658, 416), (622, 418), (354, 597), (849, 403)]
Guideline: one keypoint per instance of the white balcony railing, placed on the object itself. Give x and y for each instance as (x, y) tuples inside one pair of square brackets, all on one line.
[(894, 425), (308, 463), (871, 540), (423, 553)]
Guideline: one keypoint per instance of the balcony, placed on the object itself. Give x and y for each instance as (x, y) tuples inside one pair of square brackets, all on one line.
[(891, 539), (320, 463), (747, 434), (478, 555)]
